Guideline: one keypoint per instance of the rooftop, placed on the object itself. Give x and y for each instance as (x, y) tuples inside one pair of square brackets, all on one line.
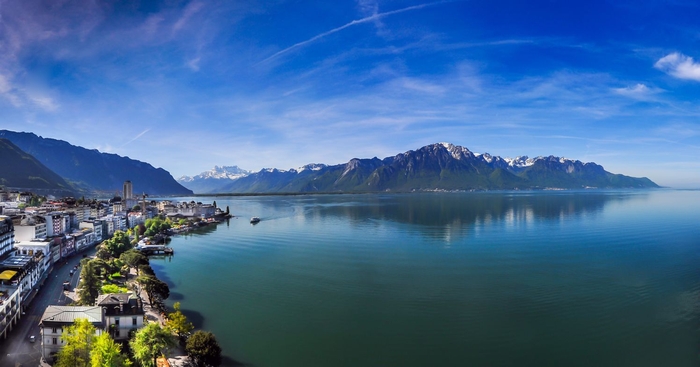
[(16, 261), (68, 314)]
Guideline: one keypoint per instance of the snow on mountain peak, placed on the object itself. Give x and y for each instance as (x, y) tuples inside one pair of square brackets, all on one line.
[(457, 152), (521, 161), (311, 167), (218, 172)]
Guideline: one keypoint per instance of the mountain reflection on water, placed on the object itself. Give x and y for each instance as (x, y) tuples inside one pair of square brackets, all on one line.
[(456, 213)]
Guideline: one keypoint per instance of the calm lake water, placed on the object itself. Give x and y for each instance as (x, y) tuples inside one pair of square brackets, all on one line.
[(598, 278)]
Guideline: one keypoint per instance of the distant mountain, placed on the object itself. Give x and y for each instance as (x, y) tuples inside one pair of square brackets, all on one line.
[(436, 167), (22, 171), (93, 171), (213, 179)]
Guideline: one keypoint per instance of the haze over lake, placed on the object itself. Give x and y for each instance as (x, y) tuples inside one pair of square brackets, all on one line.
[(590, 278)]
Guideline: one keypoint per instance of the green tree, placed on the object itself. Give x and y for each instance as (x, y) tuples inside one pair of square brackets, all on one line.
[(150, 342), (102, 252), (133, 258), (119, 243), (155, 288), (89, 287), (107, 353), (78, 339), (100, 266), (36, 200), (203, 349), (178, 323), (145, 269)]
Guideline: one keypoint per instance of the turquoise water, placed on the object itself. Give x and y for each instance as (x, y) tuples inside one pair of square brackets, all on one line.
[(600, 278)]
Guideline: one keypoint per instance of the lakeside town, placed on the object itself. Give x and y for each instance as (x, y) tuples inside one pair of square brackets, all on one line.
[(111, 289)]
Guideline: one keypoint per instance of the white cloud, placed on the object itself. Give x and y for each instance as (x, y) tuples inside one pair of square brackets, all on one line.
[(639, 91), (44, 102), (679, 66)]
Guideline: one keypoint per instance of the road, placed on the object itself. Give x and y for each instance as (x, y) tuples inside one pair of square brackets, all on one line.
[(17, 350)]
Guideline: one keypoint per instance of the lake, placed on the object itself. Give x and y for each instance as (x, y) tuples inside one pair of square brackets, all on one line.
[(555, 278)]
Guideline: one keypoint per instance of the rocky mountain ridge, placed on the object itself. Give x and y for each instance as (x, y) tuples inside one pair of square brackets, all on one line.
[(441, 166)]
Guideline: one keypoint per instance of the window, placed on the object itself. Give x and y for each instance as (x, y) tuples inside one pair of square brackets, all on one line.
[(116, 321), (54, 341), (53, 330), (133, 321)]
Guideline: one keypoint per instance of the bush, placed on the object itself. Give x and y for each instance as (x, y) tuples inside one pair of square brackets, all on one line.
[(113, 288)]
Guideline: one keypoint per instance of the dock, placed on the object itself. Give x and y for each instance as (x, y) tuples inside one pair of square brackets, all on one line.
[(155, 249)]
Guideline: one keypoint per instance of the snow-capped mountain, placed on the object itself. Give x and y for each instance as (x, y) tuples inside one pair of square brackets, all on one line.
[(441, 166), (210, 181), (224, 172)]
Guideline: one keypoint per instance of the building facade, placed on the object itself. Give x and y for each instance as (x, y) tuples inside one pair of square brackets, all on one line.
[(128, 190), (122, 313), (7, 235), (56, 318)]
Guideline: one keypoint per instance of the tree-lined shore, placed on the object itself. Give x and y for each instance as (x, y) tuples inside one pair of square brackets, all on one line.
[(118, 267)]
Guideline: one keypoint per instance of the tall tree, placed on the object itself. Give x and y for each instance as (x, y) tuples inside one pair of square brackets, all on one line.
[(150, 342), (107, 353), (155, 288), (178, 323), (78, 339), (203, 349), (89, 287), (133, 258)]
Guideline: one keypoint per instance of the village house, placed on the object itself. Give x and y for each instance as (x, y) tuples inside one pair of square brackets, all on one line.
[(117, 314)]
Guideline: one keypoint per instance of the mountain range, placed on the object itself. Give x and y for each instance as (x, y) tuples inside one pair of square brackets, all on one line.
[(441, 166), (93, 172), (212, 180), (22, 171)]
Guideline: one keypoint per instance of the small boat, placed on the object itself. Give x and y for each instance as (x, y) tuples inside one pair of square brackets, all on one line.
[(254, 220)]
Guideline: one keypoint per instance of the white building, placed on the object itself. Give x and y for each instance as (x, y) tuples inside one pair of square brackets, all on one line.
[(10, 302), (42, 249), (121, 314), (28, 274), (96, 227), (56, 224), (115, 222), (117, 314), (55, 318), (30, 227)]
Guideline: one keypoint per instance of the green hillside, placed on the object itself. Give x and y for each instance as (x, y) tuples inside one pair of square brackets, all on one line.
[(20, 170)]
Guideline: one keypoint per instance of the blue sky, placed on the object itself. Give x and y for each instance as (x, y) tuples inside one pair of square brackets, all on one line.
[(186, 85)]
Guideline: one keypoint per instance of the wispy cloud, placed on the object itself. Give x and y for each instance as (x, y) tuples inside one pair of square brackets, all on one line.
[(371, 18), (679, 66), (638, 91), (194, 64), (46, 103), (135, 138), (191, 9)]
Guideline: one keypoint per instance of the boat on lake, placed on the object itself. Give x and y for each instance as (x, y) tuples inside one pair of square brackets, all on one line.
[(254, 220)]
